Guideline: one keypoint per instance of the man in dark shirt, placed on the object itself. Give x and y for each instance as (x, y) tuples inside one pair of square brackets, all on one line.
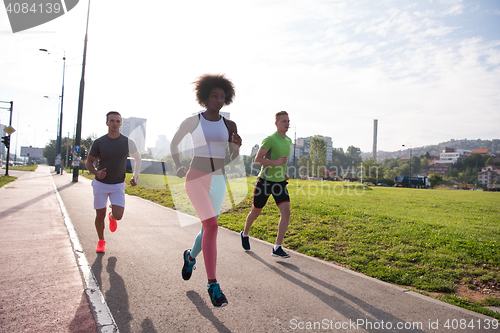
[(111, 152)]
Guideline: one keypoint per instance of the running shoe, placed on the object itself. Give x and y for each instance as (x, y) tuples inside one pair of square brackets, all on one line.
[(188, 267), (280, 253), (100, 246), (112, 223), (245, 241), (216, 296)]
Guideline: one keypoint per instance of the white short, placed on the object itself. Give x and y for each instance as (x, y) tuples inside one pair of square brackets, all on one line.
[(115, 193)]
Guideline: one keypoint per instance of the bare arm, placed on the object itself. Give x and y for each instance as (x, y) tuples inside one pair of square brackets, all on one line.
[(261, 159), (137, 167), (187, 126), (234, 141), (91, 168)]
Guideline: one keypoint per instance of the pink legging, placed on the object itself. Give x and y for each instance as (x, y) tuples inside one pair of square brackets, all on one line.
[(198, 186)]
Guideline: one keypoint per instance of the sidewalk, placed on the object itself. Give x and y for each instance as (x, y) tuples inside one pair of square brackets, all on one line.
[(41, 287)]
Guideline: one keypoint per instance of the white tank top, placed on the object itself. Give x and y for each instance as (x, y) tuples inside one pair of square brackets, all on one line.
[(210, 138)]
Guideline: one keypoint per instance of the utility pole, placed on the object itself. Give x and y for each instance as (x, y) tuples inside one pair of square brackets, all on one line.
[(6, 139), (78, 137), (411, 148)]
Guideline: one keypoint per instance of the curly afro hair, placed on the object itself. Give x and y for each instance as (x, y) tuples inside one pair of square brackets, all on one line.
[(205, 83)]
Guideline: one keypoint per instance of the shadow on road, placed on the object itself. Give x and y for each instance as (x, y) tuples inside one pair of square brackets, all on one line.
[(117, 297), (83, 321), (62, 188), (205, 311), (24, 205), (338, 304), (147, 326), (97, 269)]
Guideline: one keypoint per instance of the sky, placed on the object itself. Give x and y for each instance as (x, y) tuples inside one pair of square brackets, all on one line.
[(429, 71)]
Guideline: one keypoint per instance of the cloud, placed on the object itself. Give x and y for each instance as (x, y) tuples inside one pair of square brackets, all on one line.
[(452, 7)]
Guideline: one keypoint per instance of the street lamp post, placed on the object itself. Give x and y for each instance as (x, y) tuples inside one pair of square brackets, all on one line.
[(6, 139), (294, 148), (78, 133), (410, 164), (59, 139), (59, 136)]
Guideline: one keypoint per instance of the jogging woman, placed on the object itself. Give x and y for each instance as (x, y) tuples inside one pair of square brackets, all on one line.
[(206, 180)]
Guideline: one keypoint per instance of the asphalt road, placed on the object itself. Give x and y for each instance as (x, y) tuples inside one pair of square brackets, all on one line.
[(140, 278)]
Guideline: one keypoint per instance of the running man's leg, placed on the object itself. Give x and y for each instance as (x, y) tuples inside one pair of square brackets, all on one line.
[(251, 217), (260, 195), (100, 202), (284, 208), (117, 199), (117, 212), (282, 199), (100, 215)]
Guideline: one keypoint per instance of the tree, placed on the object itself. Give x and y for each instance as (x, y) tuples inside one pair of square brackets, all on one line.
[(476, 161), (425, 163), (89, 140), (370, 168), (435, 179), (49, 152), (452, 172), (354, 153), (146, 155), (317, 154), (251, 168), (170, 164), (305, 165), (415, 165), (338, 158), (391, 163)]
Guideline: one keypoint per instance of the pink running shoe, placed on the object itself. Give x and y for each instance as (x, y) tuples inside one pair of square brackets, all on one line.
[(112, 223), (100, 246)]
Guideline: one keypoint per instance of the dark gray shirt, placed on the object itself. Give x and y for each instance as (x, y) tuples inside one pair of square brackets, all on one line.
[(112, 154)]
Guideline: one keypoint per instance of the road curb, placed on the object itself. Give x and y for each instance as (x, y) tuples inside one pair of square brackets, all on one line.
[(104, 320)]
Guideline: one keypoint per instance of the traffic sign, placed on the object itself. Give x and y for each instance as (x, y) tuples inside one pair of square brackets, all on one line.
[(77, 149), (9, 130)]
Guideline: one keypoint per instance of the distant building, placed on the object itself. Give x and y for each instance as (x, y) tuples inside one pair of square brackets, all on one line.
[(440, 169), (162, 148), (481, 151), (135, 129), (2, 146), (255, 149), (488, 175), (303, 144), (452, 155)]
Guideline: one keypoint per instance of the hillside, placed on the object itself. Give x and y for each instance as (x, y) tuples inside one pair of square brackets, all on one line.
[(493, 145)]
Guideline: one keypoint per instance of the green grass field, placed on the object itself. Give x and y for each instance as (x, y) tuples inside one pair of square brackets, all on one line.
[(32, 167), (6, 179), (431, 240)]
